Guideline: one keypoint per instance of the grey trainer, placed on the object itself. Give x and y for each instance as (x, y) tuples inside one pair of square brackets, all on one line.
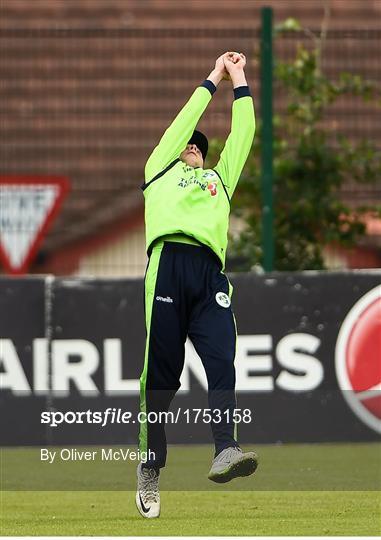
[(232, 463)]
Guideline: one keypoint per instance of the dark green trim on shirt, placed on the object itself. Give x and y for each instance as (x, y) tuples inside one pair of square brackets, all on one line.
[(160, 174), (223, 185)]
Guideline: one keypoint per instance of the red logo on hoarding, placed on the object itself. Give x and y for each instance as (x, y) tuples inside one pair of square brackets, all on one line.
[(358, 358), (28, 206)]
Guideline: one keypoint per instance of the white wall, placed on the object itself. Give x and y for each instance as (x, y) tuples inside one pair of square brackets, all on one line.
[(124, 257)]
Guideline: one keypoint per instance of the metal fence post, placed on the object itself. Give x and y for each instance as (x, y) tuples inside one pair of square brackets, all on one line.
[(267, 139)]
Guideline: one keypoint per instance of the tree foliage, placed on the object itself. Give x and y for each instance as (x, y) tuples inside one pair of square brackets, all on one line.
[(312, 163)]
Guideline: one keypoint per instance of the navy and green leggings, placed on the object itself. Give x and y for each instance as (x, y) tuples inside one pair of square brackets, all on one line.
[(186, 294)]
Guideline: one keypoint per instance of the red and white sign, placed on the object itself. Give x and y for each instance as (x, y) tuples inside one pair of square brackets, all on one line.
[(28, 206), (358, 358)]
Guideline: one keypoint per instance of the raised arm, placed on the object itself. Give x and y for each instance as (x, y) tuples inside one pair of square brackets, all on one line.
[(238, 144), (179, 132)]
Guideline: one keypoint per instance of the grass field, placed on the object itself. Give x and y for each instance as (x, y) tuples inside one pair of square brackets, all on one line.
[(193, 513), (261, 505)]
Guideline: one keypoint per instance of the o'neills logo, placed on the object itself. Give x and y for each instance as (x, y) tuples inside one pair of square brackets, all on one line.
[(358, 358), (167, 299)]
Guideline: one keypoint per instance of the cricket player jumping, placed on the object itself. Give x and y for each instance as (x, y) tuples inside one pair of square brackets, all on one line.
[(186, 292)]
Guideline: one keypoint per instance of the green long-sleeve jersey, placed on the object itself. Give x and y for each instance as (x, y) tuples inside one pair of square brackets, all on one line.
[(192, 201)]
